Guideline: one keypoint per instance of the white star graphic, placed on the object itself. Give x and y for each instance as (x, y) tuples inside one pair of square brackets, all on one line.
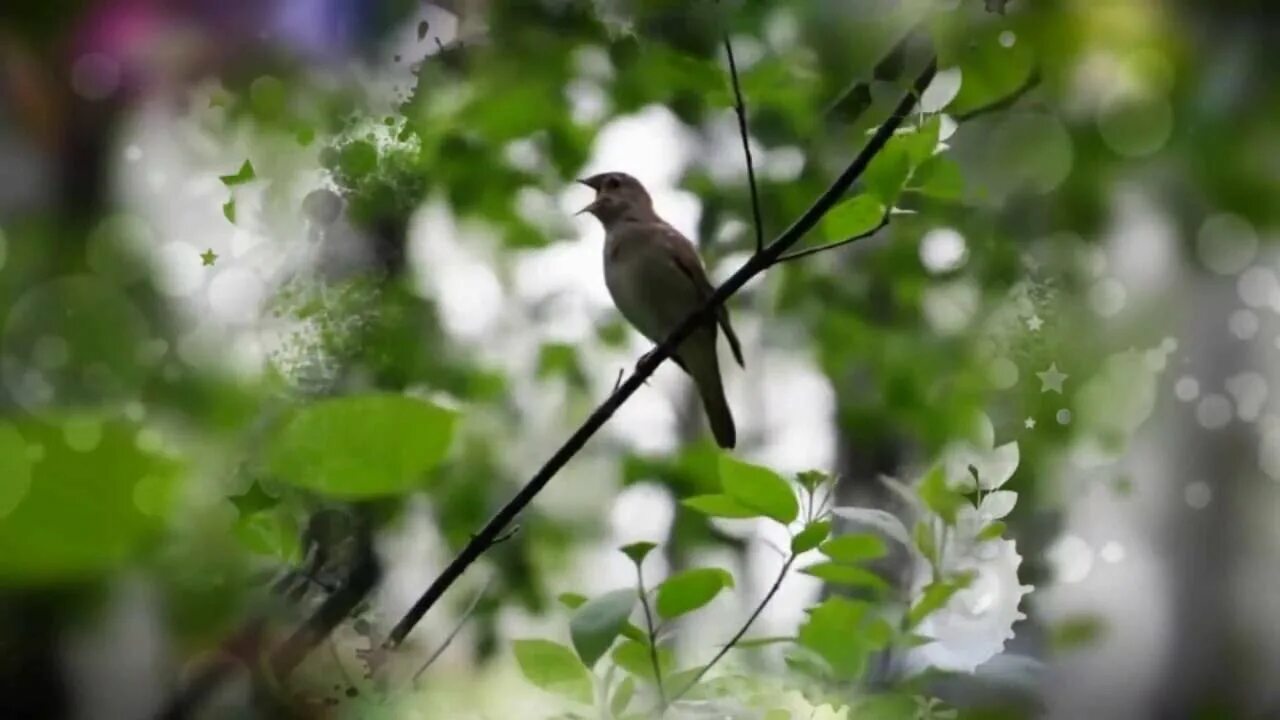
[(1029, 423), (1035, 323), (1051, 379)]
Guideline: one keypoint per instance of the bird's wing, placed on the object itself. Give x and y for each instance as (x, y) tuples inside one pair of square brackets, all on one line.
[(680, 250)]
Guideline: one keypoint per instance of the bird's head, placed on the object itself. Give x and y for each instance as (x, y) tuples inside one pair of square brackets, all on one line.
[(618, 195)]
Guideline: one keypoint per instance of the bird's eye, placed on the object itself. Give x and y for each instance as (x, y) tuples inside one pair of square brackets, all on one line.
[(611, 183)]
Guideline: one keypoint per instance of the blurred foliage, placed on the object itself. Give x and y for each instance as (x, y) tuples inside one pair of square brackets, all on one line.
[(119, 452)]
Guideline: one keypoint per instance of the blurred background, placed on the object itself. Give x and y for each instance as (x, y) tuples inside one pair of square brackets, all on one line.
[(215, 212)]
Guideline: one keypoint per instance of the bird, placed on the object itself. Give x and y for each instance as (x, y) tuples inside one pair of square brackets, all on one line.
[(656, 279)]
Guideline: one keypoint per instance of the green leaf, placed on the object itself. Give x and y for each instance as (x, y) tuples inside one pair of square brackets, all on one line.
[(763, 641), (1077, 631), (554, 668), (921, 143), (229, 211), (721, 506), (854, 548), (991, 72), (362, 446), (836, 630), (938, 496), (811, 536), (244, 175), (849, 575), (856, 216), (937, 594), (939, 177), (633, 656), (993, 531), (811, 480), (758, 488), (888, 172), (572, 600), (622, 696), (637, 551), (596, 624), (690, 590), (925, 542), (680, 683)]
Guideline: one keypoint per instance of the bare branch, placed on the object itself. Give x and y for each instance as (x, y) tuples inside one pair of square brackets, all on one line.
[(724, 649), (758, 263), (740, 108), (1008, 101), (466, 615), (832, 246)]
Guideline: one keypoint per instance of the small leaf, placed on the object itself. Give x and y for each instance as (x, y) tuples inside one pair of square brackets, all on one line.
[(849, 575), (690, 590), (994, 530), (811, 536), (572, 600), (811, 480), (244, 175), (936, 595), (721, 506), (1077, 631), (854, 548), (921, 143), (554, 668), (853, 217), (763, 641), (637, 551), (885, 523), (622, 696), (597, 623), (938, 496), (888, 172), (634, 657), (758, 488), (229, 211), (925, 542), (683, 682), (939, 177)]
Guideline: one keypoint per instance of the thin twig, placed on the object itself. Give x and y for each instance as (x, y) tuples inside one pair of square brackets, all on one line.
[(1032, 81), (724, 649), (653, 638), (740, 108), (466, 615), (758, 263), (832, 246)]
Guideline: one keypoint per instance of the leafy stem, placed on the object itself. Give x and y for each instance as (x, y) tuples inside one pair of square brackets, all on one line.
[(653, 637)]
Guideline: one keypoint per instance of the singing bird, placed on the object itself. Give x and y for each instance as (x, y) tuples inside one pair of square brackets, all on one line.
[(656, 280)]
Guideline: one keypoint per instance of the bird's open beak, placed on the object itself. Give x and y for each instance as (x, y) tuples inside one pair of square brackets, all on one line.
[(592, 182)]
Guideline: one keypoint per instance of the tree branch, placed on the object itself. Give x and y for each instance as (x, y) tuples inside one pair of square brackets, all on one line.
[(724, 650), (462, 621), (1032, 81), (758, 263), (884, 221), (740, 108)]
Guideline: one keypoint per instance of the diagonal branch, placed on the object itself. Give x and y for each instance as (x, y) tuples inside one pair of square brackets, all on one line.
[(758, 263), (884, 221), (1008, 101), (740, 108), (724, 649)]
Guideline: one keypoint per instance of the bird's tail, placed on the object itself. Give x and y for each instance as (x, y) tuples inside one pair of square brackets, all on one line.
[(705, 370)]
